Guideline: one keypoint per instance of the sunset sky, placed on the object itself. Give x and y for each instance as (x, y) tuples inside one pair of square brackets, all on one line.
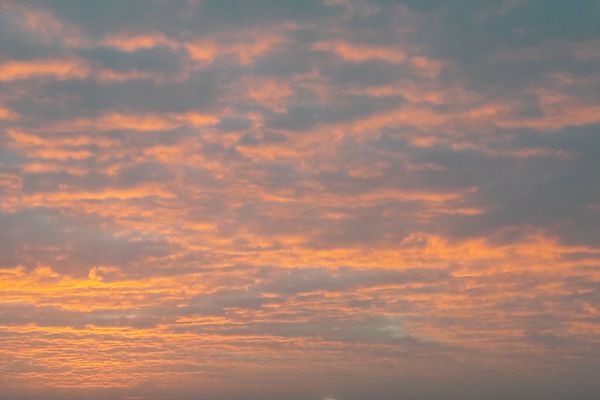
[(299, 199)]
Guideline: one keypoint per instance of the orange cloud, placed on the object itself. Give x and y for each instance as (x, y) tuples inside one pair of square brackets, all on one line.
[(58, 69), (6, 114), (427, 66), (112, 121), (244, 50), (132, 43), (68, 197), (360, 53), (202, 51), (197, 119), (248, 51)]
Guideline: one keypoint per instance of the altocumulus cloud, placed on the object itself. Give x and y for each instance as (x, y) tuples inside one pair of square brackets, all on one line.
[(299, 199)]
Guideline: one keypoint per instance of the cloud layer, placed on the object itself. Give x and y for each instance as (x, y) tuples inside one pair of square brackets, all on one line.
[(299, 199)]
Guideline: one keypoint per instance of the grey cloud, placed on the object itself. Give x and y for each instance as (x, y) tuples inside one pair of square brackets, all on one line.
[(86, 98), (128, 177), (306, 116), (261, 11), (18, 314), (182, 16), (160, 59), (547, 192), (300, 280), (41, 237)]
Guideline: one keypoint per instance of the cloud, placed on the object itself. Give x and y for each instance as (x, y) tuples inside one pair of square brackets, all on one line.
[(59, 69), (267, 199), (38, 237)]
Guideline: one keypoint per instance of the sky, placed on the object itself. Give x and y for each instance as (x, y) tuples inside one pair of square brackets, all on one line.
[(299, 199)]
